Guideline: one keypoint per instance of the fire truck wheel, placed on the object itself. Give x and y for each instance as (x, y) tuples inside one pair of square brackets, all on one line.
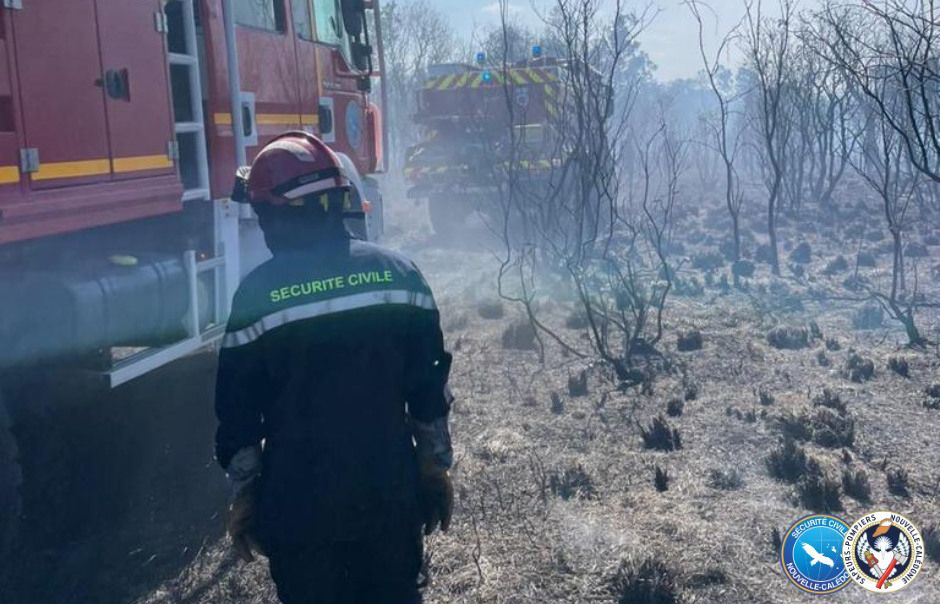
[(449, 217), (10, 480)]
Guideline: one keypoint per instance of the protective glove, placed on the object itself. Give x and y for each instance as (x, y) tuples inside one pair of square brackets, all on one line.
[(241, 521), (435, 498)]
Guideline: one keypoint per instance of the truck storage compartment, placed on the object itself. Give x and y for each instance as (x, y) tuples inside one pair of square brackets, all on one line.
[(86, 126), (67, 312)]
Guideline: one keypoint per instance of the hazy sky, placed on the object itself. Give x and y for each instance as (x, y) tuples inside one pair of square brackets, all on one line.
[(671, 40)]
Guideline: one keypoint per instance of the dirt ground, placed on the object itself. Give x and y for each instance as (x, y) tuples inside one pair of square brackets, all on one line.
[(556, 501)]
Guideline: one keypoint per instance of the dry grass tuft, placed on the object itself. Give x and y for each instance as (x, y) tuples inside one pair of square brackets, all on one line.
[(725, 479), (787, 462), (659, 435), (817, 490), (647, 582), (858, 368), (788, 338), (899, 482), (661, 479), (572, 483), (932, 543), (675, 407), (900, 366), (578, 384), (856, 485)]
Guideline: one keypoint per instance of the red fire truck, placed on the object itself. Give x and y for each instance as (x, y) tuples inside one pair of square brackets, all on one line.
[(121, 126), (477, 122)]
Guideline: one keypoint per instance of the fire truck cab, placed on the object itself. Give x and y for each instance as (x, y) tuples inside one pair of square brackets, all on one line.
[(121, 127)]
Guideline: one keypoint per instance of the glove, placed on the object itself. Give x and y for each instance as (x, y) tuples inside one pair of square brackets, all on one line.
[(435, 498), (241, 521)]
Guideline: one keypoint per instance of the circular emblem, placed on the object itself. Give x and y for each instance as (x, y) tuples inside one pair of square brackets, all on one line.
[(883, 552), (811, 554), (354, 124)]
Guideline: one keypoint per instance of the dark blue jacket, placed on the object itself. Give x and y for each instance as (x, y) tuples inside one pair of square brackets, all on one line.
[(327, 355)]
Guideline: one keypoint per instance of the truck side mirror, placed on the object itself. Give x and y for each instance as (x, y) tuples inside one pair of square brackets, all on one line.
[(361, 55), (354, 12)]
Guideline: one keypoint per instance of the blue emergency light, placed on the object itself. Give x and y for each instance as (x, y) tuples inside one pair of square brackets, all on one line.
[(481, 58), (486, 76), (536, 51)]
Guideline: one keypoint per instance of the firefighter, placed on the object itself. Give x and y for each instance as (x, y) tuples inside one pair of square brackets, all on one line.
[(331, 395)]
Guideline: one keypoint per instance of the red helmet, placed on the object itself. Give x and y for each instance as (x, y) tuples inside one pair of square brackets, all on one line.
[(289, 168)]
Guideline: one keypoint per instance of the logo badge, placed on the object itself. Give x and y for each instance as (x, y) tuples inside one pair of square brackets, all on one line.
[(883, 552), (811, 554)]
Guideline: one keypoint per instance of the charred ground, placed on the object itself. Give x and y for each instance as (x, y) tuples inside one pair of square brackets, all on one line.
[(790, 395)]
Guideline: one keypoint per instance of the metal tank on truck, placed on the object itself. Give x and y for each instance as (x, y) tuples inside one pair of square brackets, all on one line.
[(121, 126), (482, 125)]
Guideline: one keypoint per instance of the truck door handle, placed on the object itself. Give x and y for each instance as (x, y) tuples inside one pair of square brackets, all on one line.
[(116, 82)]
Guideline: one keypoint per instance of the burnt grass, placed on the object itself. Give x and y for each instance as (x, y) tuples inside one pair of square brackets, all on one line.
[(657, 493)]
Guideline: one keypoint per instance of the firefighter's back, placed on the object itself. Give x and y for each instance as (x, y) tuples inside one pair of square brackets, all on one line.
[(332, 327)]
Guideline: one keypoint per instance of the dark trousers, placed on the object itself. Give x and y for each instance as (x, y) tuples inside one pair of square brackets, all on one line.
[(383, 570)]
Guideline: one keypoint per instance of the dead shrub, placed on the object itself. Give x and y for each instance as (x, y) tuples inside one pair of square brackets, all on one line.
[(578, 384), (765, 397), (646, 582), (837, 265), (725, 479), (815, 332), (832, 344), (787, 462), (802, 253), (661, 479), (557, 406), (830, 399), (688, 341), (858, 368), (822, 359), (788, 338), (572, 483), (776, 541), (932, 543), (660, 436), (519, 336), (795, 426), (490, 309), (900, 366), (675, 407), (899, 482), (856, 485), (832, 429), (708, 262), (817, 490)]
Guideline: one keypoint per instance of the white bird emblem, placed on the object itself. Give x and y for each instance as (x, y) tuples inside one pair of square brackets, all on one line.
[(817, 557)]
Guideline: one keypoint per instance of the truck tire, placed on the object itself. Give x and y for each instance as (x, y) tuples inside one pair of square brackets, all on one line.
[(449, 217), (11, 478)]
